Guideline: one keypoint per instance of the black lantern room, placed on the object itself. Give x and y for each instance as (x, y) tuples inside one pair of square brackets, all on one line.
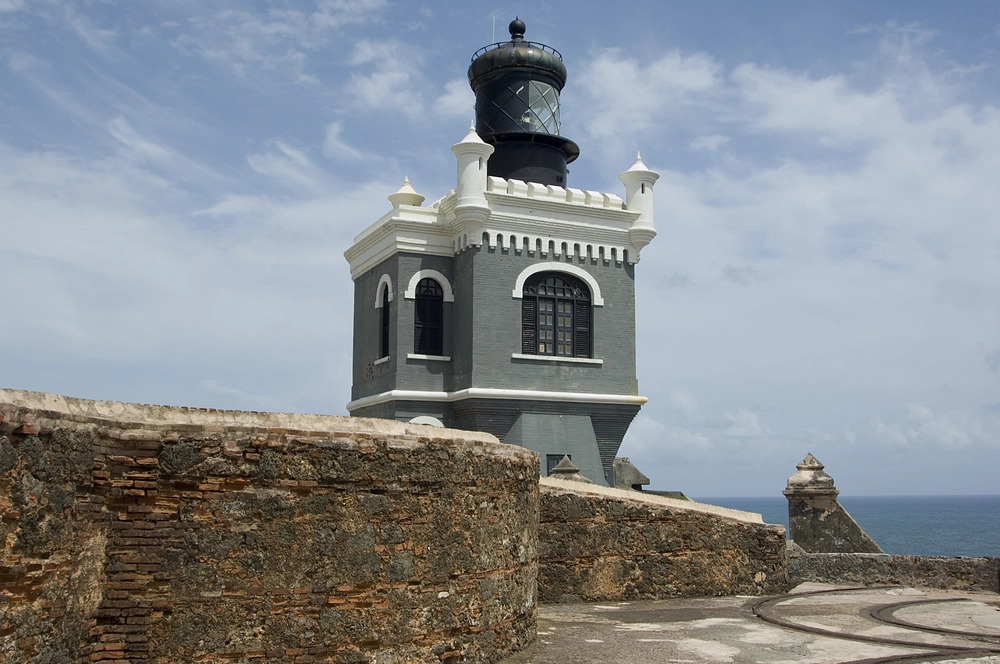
[(517, 86)]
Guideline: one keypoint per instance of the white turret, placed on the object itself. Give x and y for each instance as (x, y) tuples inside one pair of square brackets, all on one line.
[(406, 195), (639, 182), (470, 191)]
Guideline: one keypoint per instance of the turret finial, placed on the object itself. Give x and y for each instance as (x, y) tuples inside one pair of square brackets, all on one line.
[(516, 28), (406, 195)]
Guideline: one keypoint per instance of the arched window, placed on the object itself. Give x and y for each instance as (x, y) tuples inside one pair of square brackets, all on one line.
[(555, 316), (428, 319), (384, 346)]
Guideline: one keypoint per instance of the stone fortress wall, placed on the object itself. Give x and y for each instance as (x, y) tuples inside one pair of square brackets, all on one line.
[(143, 533), (602, 544), (881, 569), (158, 534)]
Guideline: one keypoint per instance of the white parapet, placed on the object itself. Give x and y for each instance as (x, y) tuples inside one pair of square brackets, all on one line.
[(526, 218)]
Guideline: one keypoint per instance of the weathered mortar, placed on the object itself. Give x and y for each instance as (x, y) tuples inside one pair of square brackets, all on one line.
[(144, 533), (597, 543)]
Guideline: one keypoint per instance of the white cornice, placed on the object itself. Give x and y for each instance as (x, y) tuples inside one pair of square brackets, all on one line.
[(404, 229), (524, 210), (491, 393)]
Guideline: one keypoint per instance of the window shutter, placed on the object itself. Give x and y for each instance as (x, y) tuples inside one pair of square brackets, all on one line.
[(419, 325), (528, 324), (384, 350), (428, 319), (434, 345), (581, 335)]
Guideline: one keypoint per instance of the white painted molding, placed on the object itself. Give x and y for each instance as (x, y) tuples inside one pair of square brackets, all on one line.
[(411, 289), (428, 420), (491, 393), (554, 358), (431, 358), (381, 360), (595, 290), (387, 280)]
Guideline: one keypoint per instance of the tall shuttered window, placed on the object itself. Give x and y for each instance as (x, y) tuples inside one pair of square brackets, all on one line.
[(555, 316), (428, 322), (384, 345)]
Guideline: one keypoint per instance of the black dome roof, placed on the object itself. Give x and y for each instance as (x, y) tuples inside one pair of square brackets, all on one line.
[(517, 53)]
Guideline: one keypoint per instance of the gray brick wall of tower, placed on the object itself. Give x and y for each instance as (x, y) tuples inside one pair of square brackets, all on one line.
[(482, 330)]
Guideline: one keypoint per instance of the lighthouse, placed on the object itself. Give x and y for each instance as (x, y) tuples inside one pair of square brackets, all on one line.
[(508, 304)]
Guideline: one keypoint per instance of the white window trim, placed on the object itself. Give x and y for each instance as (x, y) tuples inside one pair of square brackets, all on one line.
[(557, 358), (387, 280), (411, 290), (552, 266), (431, 358), (380, 360)]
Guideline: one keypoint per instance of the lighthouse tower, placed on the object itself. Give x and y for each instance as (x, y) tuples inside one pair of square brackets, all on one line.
[(508, 305)]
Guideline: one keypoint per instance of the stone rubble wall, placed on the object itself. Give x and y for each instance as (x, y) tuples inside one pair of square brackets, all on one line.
[(872, 569), (603, 544), (142, 533)]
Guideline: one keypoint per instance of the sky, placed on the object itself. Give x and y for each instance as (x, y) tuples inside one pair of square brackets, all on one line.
[(179, 181)]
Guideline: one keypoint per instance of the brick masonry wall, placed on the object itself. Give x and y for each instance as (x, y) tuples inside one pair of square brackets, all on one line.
[(981, 574), (603, 544), (141, 533)]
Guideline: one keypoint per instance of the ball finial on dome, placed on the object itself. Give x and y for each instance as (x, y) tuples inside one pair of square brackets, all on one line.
[(516, 28)]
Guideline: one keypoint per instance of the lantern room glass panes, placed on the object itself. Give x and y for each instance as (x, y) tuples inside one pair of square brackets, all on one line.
[(521, 106)]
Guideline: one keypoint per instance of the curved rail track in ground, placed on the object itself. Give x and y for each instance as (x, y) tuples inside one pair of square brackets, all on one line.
[(885, 614)]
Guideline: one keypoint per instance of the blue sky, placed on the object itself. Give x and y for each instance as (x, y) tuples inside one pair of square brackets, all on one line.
[(179, 180)]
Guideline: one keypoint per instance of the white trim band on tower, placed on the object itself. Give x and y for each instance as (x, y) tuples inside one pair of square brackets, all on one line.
[(411, 289), (387, 280), (492, 393), (553, 266)]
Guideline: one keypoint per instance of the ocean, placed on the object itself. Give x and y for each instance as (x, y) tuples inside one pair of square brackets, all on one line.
[(906, 525)]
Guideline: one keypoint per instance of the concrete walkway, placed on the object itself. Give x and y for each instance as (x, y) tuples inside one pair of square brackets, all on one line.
[(814, 624)]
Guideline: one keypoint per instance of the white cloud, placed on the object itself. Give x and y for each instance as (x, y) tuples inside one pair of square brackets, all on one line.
[(651, 442), (114, 269), (11, 5), (457, 100), (682, 400), (247, 41), (710, 143), (334, 146), (744, 276), (390, 81), (831, 106), (98, 39), (744, 424), (142, 148), (626, 99), (925, 429), (289, 167)]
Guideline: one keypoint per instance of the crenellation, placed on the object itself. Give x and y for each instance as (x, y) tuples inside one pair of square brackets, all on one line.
[(517, 187)]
